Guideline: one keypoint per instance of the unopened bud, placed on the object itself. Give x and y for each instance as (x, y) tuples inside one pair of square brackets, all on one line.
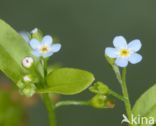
[(98, 101), (27, 62), (29, 90), (27, 78), (20, 84), (36, 34), (100, 88)]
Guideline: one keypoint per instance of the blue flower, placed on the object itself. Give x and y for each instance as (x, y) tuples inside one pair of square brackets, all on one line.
[(25, 35), (45, 48), (123, 52)]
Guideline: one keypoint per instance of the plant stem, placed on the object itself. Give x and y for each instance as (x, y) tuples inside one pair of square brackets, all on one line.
[(50, 109), (117, 73), (67, 103), (122, 81), (117, 95), (125, 94), (45, 67), (46, 98)]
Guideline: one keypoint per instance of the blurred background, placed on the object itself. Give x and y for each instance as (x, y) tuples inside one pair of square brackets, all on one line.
[(85, 28)]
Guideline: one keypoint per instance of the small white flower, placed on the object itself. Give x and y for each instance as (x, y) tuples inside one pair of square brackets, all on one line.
[(27, 62), (45, 48), (27, 78), (124, 52)]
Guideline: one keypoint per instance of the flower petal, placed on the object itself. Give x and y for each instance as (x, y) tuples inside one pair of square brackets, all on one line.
[(48, 54), (135, 58), (56, 47), (111, 52), (36, 53), (34, 43), (25, 35), (120, 42), (135, 45), (121, 62), (47, 40)]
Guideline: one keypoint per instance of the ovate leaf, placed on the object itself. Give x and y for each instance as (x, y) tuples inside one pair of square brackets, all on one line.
[(68, 81), (12, 51), (146, 105)]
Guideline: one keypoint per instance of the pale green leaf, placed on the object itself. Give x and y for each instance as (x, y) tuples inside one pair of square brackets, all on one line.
[(146, 105), (13, 49), (68, 81)]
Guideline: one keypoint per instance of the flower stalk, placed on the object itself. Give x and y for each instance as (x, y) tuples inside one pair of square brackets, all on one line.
[(125, 94), (50, 108), (122, 80), (46, 98), (76, 103)]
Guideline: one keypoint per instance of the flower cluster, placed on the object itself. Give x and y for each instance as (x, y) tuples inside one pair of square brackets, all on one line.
[(42, 47), (27, 86)]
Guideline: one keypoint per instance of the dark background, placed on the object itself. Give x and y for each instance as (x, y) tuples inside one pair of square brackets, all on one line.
[(85, 28)]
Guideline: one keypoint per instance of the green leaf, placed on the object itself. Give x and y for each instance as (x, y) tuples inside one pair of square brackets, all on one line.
[(13, 49), (68, 81), (11, 112), (146, 105)]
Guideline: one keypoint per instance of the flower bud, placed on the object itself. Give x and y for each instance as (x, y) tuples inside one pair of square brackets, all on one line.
[(101, 101), (27, 78), (36, 34), (27, 62), (100, 88), (29, 90), (20, 84), (98, 101)]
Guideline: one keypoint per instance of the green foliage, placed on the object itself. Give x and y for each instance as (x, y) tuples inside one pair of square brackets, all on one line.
[(11, 113), (68, 81), (12, 50), (146, 104)]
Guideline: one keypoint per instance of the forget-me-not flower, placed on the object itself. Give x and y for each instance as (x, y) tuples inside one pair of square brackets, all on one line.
[(123, 52), (44, 48)]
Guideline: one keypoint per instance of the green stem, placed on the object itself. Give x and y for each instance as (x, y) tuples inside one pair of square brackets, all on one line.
[(125, 94), (117, 73), (122, 81), (117, 95), (46, 98), (45, 67), (50, 109), (67, 103)]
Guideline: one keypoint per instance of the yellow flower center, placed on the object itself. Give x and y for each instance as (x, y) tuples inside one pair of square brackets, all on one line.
[(124, 52), (44, 49)]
